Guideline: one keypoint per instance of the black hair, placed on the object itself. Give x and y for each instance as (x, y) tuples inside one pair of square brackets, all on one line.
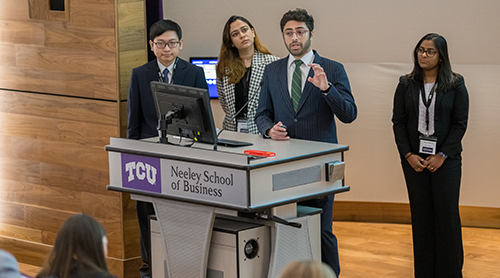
[(299, 15), (162, 26), (446, 77)]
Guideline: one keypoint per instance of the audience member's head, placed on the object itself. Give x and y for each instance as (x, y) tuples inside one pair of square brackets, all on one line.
[(80, 248), (8, 266), (307, 269)]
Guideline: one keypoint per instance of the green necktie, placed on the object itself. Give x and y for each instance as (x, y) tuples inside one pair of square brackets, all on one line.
[(296, 84)]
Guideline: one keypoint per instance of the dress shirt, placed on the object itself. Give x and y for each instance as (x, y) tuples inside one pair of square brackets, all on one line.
[(304, 68)]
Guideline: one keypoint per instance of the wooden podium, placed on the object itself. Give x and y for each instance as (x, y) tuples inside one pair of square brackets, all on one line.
[(190, 186)]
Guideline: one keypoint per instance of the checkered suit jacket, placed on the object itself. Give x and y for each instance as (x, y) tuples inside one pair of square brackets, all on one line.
[(227, 98)]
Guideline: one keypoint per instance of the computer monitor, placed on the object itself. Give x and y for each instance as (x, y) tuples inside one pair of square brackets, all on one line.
[(188, 110), (208, 64)]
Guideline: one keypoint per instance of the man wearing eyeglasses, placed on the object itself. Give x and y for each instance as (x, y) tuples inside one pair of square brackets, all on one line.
[(165, 40), (300, 97)]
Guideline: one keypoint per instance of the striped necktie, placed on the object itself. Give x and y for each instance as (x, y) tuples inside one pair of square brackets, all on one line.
[(165, 75), (296, 84)]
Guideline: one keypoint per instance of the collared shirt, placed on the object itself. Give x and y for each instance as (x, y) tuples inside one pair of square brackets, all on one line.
[(304, 68), (422, 125), (170, 70)]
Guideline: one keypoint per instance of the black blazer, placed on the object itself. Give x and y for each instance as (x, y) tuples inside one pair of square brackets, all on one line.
[(450, 119), (315, 116), (142, 117)]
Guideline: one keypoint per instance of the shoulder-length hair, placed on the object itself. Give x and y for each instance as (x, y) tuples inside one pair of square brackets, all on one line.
[(78, 249), (446, 77), (230, 64), (310, 269)]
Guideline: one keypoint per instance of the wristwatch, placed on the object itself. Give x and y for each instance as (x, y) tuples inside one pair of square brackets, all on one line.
[(327, 90), (443, 155)]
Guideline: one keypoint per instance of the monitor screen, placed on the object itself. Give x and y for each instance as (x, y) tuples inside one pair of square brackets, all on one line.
[(208, 64), (193, 114)]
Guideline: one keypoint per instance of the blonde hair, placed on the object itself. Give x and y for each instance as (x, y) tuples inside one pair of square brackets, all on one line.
[(309, 269)]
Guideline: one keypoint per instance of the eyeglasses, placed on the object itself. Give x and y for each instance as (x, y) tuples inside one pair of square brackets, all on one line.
[(172, 44), (243, 30), (300, 33), (429, 52)]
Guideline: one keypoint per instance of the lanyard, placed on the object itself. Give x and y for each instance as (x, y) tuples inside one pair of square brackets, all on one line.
[(427, 103), (160, 74)]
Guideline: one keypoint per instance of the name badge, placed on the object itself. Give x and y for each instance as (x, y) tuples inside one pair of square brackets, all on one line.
[(242, 126), (428, 144)]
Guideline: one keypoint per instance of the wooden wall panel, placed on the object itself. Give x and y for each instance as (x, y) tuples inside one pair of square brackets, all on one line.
[(71, 61), (73, 36), (25, 251), (93, 13), (60, 83), (481, 217), (22, 32), (41, 196), (21, 233), (14, 11), (76, 109), (7, 56)]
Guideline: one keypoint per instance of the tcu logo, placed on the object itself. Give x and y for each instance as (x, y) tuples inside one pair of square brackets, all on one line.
[(141, 171)]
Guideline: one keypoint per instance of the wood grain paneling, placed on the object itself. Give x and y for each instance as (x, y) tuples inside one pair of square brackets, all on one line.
[(12, 214), (130, 226), (400, 213), (72, 61), (41, 10), (14, 10), (60, 83), (10, 170), (22, 32), (7, 56), (33, 127), (71, 177), (71, 36), (75, 109), (107, 210), (92, 13), (128, 61), (41, 196), (21, 233), (25, 252)]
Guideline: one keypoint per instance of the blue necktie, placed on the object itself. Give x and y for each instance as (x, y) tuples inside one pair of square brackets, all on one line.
[(165, 75)]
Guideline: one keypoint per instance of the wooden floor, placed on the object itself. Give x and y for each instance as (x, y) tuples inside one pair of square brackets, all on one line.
[(385, 250)]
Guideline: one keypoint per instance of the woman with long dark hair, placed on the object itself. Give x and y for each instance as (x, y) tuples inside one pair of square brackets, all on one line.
[(79, 250), (430, 113), (242, 60)]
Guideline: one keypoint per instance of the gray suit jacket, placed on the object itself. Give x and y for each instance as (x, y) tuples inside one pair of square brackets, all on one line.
[(315, 116), (8, 266)]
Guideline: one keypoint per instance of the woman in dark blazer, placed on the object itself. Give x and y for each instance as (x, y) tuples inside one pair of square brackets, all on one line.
[(430, 114), (242, 60)]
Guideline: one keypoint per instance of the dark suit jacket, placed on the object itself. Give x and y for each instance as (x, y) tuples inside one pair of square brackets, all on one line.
[(315, 116), (450, 119), (142, 117)]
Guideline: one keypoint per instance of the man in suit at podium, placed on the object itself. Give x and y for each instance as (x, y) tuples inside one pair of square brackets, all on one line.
[(165, 40), (301, 95)]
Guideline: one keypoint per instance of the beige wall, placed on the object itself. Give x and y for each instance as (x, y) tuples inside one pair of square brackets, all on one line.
[(374, 40)]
